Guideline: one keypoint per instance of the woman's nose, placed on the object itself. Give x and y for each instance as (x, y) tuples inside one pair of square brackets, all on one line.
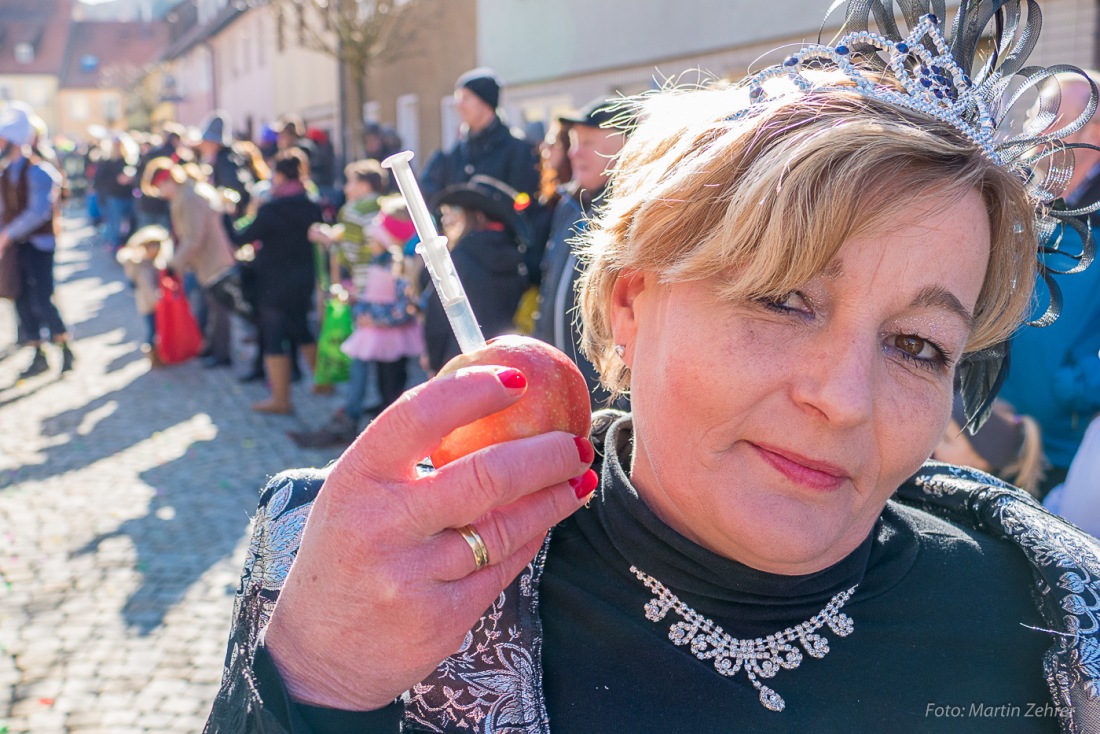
[(836, 380)]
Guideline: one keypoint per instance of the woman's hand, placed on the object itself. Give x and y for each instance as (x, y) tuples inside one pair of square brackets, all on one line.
[(383, 587)]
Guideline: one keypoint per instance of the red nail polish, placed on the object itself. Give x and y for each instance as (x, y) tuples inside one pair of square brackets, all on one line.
[(584, 484), (584, 448), (512, 379)]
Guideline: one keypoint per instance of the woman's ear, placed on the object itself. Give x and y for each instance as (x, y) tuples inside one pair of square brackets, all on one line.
[(624, 309)]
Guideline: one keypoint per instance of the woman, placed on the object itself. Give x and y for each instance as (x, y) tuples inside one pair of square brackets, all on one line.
[(195, 209), (787, 281), (481, 223), (284, 274), (114, 185)]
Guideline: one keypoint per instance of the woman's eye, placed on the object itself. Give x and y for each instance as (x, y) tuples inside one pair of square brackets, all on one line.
[(921, 351), (793, 301)]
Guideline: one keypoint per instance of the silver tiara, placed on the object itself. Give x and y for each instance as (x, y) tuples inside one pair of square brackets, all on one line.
[(943, 75)]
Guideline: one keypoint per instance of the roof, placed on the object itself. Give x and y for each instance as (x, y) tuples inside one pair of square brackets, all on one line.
[(41, 23), (199, 33), (97, 46)]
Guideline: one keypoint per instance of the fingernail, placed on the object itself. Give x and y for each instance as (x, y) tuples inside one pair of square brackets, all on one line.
[(512, 379), (584, 484), (584, 448)]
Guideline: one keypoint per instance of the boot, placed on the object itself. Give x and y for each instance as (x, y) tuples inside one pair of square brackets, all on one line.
[(37, 366), (278, 372), (66, 358)]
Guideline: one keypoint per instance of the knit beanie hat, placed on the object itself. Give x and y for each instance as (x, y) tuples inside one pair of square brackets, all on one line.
[(483, 82)]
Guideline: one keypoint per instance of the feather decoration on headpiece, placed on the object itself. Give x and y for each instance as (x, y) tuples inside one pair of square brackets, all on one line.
[(942, 74)]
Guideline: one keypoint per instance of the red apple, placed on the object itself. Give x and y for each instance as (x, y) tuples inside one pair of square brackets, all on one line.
[(556, 398)]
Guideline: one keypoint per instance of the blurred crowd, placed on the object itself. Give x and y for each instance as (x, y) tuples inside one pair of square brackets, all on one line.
[(274, 244)]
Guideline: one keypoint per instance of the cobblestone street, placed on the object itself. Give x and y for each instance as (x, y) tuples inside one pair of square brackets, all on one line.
[(125, 498)]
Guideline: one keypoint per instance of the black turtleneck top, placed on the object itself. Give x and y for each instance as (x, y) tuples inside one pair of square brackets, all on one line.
[(946, 636)]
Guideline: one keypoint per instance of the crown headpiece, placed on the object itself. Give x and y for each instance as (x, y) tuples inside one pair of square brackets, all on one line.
[(943, 75)]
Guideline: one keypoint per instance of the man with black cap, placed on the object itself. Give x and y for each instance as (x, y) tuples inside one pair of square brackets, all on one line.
[(226, 170), (29, 191), (596, 134), (487, 147)]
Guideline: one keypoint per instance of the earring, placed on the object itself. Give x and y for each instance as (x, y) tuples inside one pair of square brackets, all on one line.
[(620, 350)]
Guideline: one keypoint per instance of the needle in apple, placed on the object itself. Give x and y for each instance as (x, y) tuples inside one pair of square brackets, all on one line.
[(433, 248)]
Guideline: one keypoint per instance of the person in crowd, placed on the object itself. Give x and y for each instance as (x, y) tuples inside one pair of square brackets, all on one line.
[(201, 245), (788, 276), (284, 274), (150, 209), (596, 134), (487, 147), (323, 171), (226, 169), (379, 143), (290, 132), (115, 178), (484, 231), (1008, 445), (554, 175), (30, 189), (387, 334), (349, 254), (1037, 354), (145, 255)]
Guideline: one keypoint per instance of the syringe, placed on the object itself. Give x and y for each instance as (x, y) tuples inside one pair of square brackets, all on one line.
[(433, 248)]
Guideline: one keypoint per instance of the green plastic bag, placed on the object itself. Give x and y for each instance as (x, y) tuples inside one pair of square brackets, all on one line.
[(336, 327)]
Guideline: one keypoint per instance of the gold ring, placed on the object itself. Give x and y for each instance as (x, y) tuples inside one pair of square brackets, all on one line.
[(477, 545)]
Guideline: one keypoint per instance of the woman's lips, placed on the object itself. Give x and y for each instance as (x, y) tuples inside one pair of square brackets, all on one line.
[(800, 470)]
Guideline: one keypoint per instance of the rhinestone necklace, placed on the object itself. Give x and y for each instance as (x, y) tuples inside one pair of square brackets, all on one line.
[(759, 658)]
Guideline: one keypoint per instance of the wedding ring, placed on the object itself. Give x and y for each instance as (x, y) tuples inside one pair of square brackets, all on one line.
[(477, 545)]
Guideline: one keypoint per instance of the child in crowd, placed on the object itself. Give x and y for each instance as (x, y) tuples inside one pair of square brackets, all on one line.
[(145, 254), (362, 246)]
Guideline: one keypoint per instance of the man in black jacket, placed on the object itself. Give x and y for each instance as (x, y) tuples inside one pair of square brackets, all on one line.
[(487, 147), (226, 168)]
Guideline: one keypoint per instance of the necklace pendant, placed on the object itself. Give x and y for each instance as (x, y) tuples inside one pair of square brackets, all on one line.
[(772, 701)]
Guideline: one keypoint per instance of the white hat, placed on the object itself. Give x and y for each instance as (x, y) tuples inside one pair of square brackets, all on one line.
[(15, 123)]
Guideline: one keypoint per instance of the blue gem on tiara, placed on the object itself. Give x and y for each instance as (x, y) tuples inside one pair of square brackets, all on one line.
[(936, 85)]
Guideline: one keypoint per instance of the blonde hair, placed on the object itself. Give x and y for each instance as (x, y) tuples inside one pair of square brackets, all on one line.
[(766, 201)]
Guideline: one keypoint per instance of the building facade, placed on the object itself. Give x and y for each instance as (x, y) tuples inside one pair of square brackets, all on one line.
[(583, 49)]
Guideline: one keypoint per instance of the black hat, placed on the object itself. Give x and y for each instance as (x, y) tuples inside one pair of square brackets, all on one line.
[(600, 112), (483, 82), (496, 199)]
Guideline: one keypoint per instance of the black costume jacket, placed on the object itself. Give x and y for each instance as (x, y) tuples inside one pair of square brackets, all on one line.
[(497, 683), (495, 151)]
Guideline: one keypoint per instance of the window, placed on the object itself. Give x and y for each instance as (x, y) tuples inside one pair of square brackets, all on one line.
[(448, 116), (24, 53), (79, 109), (112, 109), (408, 122), (89, 63)]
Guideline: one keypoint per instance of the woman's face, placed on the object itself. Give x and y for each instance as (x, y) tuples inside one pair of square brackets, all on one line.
[(773, 433)]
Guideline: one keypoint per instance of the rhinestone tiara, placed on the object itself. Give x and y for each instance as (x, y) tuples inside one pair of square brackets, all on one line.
[(931, 81)]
